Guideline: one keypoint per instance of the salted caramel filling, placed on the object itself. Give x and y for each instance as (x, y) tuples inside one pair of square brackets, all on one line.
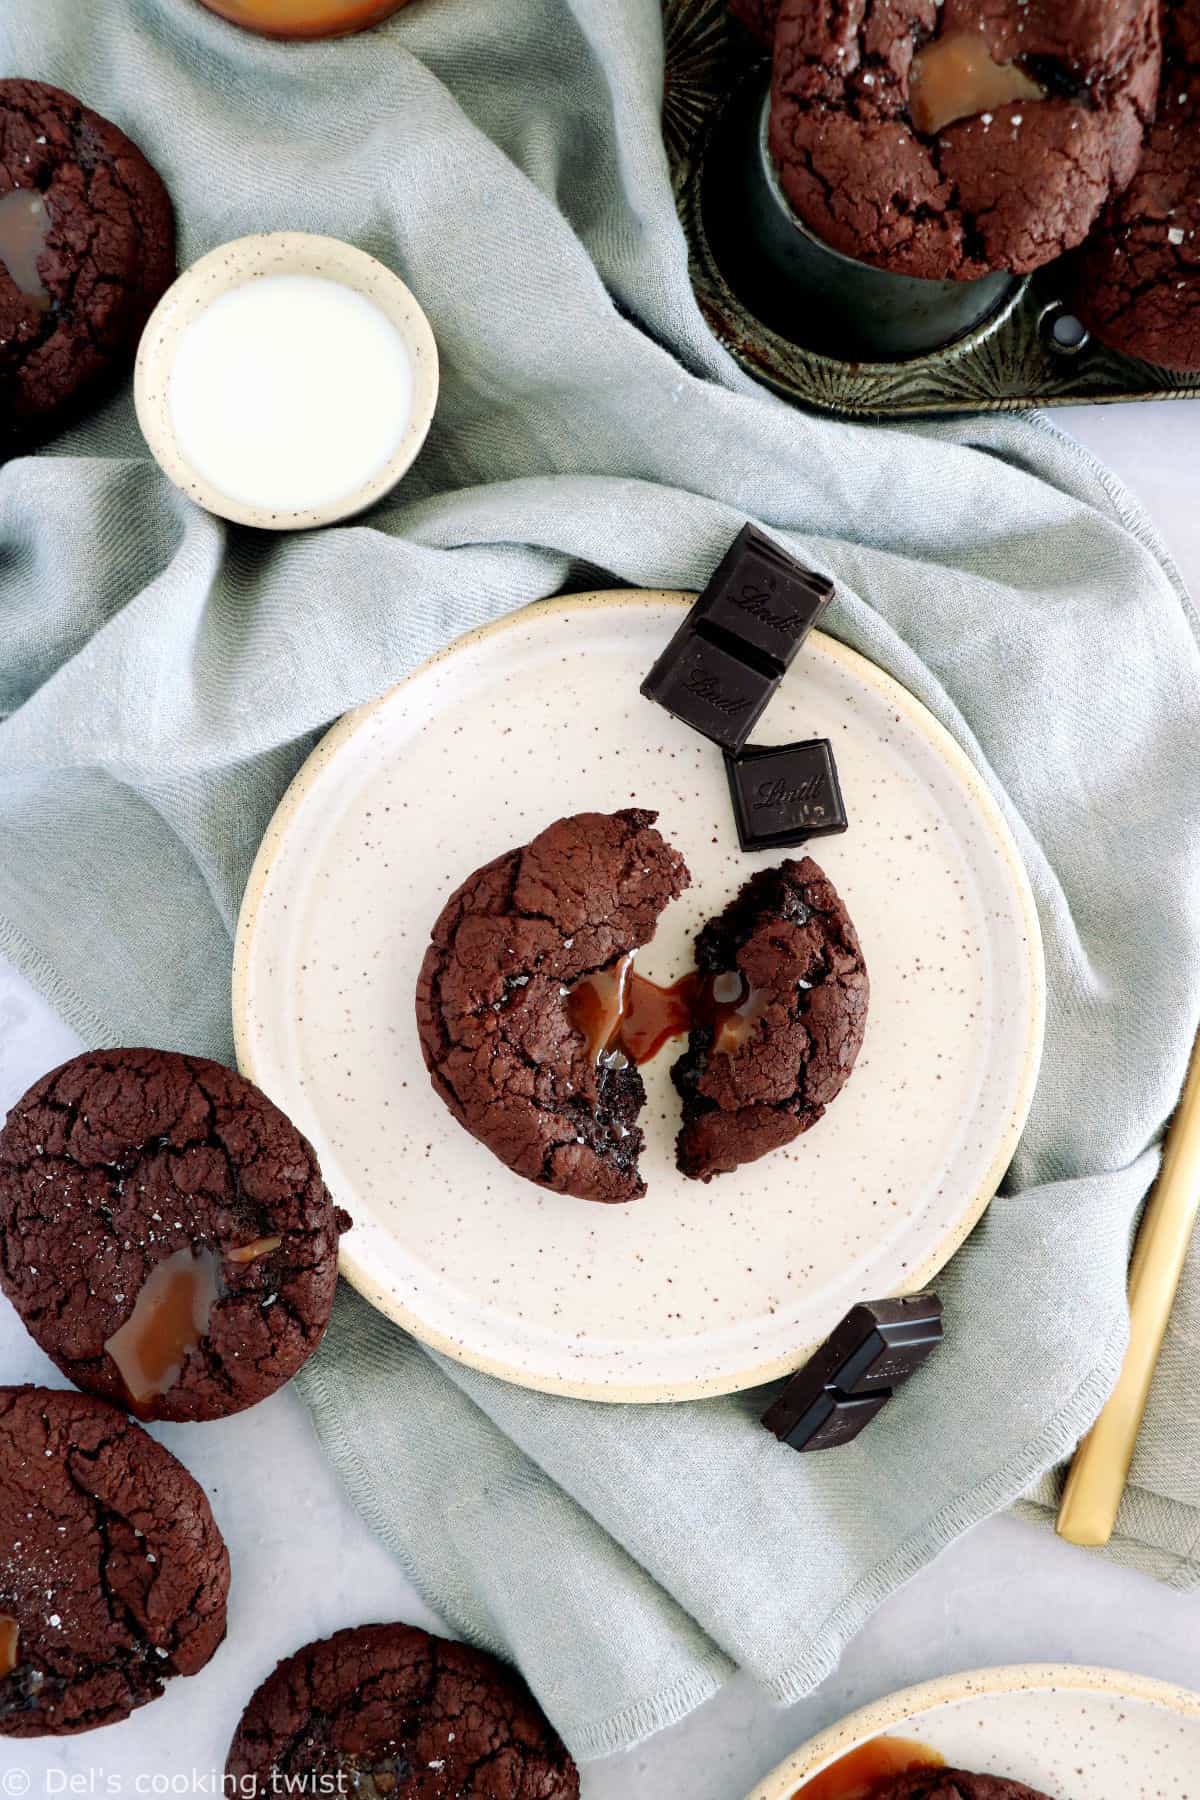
[(248, 1253), (626, 1018), (10, 1637), (955, 77), (169, 1319), (856, 1776), (24, 226)]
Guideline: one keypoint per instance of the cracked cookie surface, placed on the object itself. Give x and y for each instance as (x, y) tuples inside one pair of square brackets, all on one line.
[(789, 937), (1007, 189), (108, 254), (401, 1712), (495, 1033), (1136, 282), (112, 1569), (954, 1784), (122, 1160)]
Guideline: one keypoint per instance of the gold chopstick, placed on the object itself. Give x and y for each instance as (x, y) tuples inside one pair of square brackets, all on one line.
[(1092, 1495)]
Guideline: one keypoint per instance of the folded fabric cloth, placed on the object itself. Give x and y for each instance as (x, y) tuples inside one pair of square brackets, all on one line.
[(162, 677)]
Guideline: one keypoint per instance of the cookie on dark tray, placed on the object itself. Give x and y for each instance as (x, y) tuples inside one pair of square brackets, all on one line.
[(949, 140), (496, 1029), (113, 1574), (789, 1034), (1136, 282), (390, 1710), (87, 246), (165, 1233), (953, 1784)]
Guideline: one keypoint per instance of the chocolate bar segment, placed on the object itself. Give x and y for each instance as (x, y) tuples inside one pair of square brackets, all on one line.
[(763, 598), (717, 694), (874, 1350), (785, 795), (738, 639)]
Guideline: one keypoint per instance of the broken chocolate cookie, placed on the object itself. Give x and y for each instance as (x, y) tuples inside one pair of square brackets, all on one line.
[(499, 1038), (769, 1068)]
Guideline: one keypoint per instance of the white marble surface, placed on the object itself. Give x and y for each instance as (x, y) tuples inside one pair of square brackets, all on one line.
[(303, 1564)]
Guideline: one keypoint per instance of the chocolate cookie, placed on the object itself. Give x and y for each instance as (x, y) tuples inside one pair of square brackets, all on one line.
[(495, 1025), (791, 1026), (953, 1784), (87, 245), (1136, 282), (394, 1711), (113, 1575), (165, 1233), (947, 140)]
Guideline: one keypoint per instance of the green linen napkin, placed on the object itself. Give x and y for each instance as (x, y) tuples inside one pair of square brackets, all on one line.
[(162, 676)]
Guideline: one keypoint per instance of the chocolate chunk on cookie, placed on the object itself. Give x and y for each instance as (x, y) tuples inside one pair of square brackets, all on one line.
[(949, 140), (769, 1069), (87, 246), (1136, 282), (496, 1029), (165, 1233), (389, 1710), (953, 1784), (113, 1575)]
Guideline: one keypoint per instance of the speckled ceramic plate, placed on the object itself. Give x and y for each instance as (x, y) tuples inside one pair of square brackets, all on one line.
[(692, 1290), (1074, 1733)]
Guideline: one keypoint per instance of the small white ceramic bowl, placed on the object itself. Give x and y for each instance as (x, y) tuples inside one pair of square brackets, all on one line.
[(1073, 1732), (231, 266)]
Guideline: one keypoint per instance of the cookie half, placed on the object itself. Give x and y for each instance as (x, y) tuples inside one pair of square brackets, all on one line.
[(165, 1233), (113, 1576), (497, 1035), (790, 1026), (87, 246), (394, 1711)]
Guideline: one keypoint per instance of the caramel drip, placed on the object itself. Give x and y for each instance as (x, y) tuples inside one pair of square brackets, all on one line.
[(10, 1637), (955, 77), (24, 226), (625, 1018), (169, 1319), (858, 1775), (248, 1253)]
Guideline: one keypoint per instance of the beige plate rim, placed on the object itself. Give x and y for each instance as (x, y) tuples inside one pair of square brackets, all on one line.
[(882, 1716), (359, 1275)]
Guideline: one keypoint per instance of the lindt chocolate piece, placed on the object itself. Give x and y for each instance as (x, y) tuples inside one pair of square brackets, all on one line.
[(785, 795), (874, 1350), (725, 661), (763, 598), (714, 692)]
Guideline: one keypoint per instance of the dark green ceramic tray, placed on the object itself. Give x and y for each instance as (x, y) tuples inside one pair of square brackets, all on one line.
[(1009, 362)]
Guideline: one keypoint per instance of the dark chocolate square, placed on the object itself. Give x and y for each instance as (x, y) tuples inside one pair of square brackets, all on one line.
[(832, 1419), (785, 795), (717, 694), (858, 1368), (764, 598)]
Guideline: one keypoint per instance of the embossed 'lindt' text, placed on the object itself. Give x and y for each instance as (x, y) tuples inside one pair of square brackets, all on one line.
[(706, 687), (804, 798), (757, 602)]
